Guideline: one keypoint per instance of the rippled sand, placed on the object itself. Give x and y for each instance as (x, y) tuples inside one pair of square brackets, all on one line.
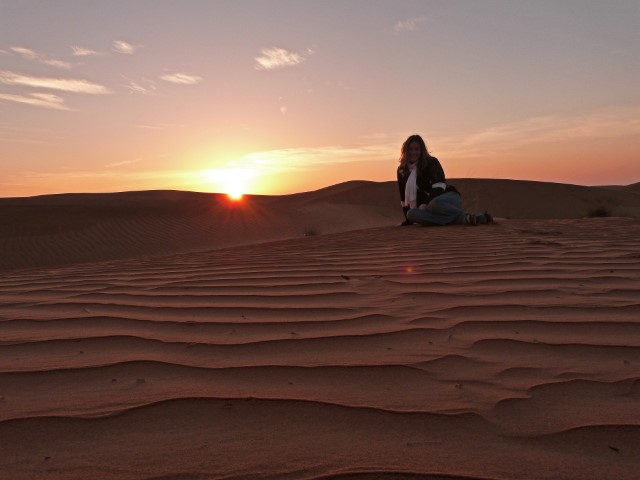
[(493, 352)]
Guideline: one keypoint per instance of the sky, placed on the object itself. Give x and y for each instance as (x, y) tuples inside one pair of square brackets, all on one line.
[(283, 96)]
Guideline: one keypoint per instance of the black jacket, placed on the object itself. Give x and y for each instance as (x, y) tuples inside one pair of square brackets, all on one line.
[(428, 174)]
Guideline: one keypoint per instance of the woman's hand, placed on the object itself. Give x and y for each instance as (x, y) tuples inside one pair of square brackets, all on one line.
[(423, 206)]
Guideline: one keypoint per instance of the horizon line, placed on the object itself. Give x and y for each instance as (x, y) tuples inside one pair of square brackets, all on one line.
[(248, 194)]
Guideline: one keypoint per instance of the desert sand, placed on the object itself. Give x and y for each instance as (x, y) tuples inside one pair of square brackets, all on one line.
[(176, 336)]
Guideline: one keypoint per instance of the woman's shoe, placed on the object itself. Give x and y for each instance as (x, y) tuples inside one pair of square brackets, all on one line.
[(470, 219), (488, 217)]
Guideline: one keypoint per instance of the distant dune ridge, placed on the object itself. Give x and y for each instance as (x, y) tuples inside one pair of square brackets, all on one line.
[(176, 336), (61, 229)]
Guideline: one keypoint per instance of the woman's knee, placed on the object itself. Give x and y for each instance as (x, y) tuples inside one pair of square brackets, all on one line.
[(436, 205), (447, 200)]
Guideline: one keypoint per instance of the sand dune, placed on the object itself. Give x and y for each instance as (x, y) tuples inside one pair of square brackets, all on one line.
[(56, 230), (493, 352)]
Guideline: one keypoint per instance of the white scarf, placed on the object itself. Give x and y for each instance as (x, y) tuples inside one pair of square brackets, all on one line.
[(411, 189)]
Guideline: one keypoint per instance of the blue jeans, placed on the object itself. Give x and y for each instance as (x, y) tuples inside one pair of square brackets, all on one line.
[(445, 209)]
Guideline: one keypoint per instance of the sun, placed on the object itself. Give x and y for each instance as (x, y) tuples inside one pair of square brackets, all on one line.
[(235, 192), (235, 185), (231, 181)]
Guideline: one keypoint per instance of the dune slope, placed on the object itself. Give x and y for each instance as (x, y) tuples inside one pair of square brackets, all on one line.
[(66, 229)]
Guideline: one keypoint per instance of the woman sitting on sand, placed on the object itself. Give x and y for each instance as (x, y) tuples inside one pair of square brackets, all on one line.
[(424, 194)]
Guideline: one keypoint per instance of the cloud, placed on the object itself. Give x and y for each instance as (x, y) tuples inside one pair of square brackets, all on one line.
[(149, 127), (123, 163), (182, 78), (303, 158), (161, 126), (107, 180), (28, 133), (24, 52), (45, 100), (408, 25), (273, 58), (608, 123), (29, 54), (136, 87), (63, 84), (57, 63), (124, 47), (83, 52)]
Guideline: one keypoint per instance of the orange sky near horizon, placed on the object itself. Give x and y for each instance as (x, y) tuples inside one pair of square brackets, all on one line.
[(285, 96)]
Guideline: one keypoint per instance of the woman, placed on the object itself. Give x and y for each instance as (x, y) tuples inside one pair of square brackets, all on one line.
[(424, 194)]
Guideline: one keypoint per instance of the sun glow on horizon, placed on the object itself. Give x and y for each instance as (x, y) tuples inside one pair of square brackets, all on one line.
[(234, 182), (235, 196)]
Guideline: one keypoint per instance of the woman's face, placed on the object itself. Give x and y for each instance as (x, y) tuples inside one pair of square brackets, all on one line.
[(413, 153)]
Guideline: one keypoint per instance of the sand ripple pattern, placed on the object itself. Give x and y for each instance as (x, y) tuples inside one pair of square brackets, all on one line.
[(459, 352)]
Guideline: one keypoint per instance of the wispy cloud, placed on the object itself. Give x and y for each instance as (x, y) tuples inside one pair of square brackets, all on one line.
[(57, 63), (273, 58), (160, 126), (83, 52), (408, 25), (613, 123), (109, 179), (28, 134), (123, 163), (148, 88), (45, 100), (24, 52), (149, 127), (126, 48), (29, 54), (63, 84), (134, 87), (609, 123), (303, 158), (181, 78)]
